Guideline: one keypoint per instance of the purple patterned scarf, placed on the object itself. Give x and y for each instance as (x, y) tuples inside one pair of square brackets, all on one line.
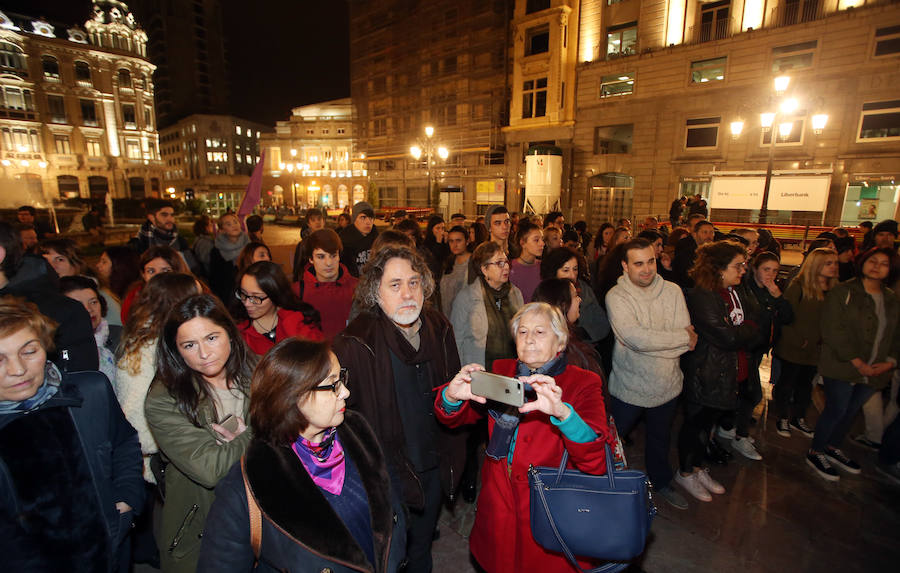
[(323, 461)]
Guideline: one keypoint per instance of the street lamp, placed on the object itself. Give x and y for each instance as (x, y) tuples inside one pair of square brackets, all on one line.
[(427, 148), (783, 120)]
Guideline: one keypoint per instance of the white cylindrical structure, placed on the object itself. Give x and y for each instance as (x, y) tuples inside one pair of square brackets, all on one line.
[(543, 178)]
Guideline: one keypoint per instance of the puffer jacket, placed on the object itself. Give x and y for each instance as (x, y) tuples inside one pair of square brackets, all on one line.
[(710, 374)]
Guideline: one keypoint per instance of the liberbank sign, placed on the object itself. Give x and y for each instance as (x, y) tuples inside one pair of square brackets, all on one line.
[(788, 190)]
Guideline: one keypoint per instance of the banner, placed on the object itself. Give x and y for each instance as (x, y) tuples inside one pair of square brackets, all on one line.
[(736, 192), (799, 193)]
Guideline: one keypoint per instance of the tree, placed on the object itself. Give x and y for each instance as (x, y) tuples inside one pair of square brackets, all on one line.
[(372, 196)]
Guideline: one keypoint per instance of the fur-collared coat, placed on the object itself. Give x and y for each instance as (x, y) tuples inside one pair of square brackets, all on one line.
[(300, 529)]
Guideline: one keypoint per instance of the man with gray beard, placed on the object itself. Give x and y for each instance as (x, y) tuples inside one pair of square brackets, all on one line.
[(397, 353)]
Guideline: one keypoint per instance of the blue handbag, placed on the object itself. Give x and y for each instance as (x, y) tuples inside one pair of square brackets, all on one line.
[(602, 517)]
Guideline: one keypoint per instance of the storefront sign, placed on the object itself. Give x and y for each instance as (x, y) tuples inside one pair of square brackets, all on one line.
[(799, 193), (736, 192)]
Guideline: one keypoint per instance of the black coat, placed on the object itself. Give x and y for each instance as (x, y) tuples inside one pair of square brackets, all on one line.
[(710, 374), (50, 498), (685, 255), (355, 253), (300, 529)]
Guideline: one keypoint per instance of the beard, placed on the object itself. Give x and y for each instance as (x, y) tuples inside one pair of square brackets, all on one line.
[(406, 315)]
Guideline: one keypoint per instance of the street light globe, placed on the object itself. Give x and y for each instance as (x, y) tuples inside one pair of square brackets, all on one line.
[(6, 162), (24, 163), (281, 166), (766, 119), (781, 84), (443, 152), (293, 153), (22, 148), (789, 105), (429, 130), (784, 129), (737, 127), (42, 164), (415, 151), (290, 167), (818, 122)]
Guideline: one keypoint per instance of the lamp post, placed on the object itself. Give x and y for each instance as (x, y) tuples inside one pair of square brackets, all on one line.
[(291, 171), (427, 148), (782, 118)]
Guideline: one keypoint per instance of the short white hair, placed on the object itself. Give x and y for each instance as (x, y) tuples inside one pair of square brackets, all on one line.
[(557, 321)]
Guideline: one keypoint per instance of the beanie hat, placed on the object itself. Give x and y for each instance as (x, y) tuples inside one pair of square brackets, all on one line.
[(886, 226), (362, 208), (843, 244), (490, 211)]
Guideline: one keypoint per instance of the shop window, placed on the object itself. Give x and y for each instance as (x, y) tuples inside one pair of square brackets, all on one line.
[(534, 98), (617, 85), (702, 133), (887, 41), (794, 57), (62, 144), (621, 40), (712, 70), (613, 139), (537, 40), (880, 121), (51, 68), (56, 106)]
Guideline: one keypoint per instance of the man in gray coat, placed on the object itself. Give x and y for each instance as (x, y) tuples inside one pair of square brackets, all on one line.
[(653, 329)]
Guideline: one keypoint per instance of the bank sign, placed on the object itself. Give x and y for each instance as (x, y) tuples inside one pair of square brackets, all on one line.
[(786, 192)]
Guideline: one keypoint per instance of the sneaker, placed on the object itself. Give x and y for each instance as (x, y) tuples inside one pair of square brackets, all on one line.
[(709, 483), (744, 446), (820, 463), (674, 498), (725, 434), (838, 458), (799, 424), (692, 485), (783, 427), (890, 471), (865, 442)]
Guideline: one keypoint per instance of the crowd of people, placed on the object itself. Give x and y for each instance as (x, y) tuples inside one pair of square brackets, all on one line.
[(207, 411)]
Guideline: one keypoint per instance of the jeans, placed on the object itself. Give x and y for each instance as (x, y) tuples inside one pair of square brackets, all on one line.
[(842, 401), (793, 391), (749, 395), (659, 434), (694, 435), (420, 531)]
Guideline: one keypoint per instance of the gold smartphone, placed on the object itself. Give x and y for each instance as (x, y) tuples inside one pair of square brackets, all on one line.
[(499, 388)]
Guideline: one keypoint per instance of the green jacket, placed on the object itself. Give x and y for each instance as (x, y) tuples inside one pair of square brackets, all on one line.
[(849, 327), (197, 461), (801, 340)]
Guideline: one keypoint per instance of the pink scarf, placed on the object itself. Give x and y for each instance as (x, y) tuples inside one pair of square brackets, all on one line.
[(323, 461)]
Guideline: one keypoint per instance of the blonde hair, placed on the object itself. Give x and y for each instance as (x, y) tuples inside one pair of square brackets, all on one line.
[(17, 314), (808, 278)]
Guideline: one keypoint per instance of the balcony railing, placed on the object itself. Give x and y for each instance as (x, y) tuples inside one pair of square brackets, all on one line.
[(709, 31), (797, 12)]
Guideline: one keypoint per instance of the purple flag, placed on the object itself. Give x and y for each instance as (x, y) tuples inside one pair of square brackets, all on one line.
[(253, 193)]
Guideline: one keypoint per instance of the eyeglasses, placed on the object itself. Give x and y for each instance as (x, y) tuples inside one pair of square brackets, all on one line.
[(244, 297), (500, 264), (739, 266), (337, 385)]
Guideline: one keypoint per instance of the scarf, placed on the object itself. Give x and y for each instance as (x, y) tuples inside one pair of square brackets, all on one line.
[(158, 236), (228, 249), (52, 380), (400, 345), (107, 358), (323, 461), (499, 310), (506, 422)]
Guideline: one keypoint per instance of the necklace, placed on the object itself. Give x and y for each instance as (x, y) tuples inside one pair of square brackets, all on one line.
[(263, 330)]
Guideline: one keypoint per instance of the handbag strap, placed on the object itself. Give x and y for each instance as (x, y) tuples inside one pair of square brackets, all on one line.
[(254, 512), (610, 467)]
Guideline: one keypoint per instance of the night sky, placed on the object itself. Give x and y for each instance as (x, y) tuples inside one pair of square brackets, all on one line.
[(281, 53)]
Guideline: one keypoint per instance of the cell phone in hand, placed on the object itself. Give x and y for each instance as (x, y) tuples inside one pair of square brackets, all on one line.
[(230, 423), (500, 388)]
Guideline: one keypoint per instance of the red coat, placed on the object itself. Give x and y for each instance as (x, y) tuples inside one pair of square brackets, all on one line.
[(501, 538), (333, 300), (290, 323)]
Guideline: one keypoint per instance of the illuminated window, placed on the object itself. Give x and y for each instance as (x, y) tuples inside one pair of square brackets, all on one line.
[(702, 133), (93, 147), (621, 40), (795, 137), (132, 149), (12, 57), (237, 129), (83, 74), (613, 139), (51, 68), (705, 71), (534, 98), (794, 57), (880, 121), (887, 41), (617, 85), (714, 21), (62, 144), (16, 98)]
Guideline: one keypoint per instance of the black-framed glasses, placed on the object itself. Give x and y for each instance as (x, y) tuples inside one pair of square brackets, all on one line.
[(337, 385), (244, 297), (501, 264)]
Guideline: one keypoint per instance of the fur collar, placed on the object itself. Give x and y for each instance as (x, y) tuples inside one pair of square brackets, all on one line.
[(288, 497)]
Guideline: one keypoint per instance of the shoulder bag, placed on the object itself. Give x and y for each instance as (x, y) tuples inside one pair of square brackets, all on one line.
[(602, 517)]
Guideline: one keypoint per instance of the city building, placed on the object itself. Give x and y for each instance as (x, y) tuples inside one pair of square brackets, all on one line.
[(76, 108), (440, 64), (210, 157), (187, 44), (311, 160)]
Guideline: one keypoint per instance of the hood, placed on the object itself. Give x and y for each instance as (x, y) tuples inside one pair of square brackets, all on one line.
[(309, 276), (642, 293), (33, 275)]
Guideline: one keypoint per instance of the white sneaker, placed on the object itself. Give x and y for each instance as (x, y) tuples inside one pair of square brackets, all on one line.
[(745, 447), (692, 485), (725, 434), (708, 482)]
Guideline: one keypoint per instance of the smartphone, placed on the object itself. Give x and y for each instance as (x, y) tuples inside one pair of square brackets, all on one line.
[(500, 388), (230, 423)]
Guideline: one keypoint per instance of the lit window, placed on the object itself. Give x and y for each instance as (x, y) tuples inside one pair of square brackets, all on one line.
[(237, 129), (610, 139), (879, 121), (621, 40), (62, 144), (617, 84), (534, 98), (705, 71), (93, 147), (132, 149), (51, 68), (794, 57), (702, 133)]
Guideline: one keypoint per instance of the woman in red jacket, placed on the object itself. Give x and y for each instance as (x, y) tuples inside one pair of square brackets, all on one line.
[(567, 413), (269, 311)]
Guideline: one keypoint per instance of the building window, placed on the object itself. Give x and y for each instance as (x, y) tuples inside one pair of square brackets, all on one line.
[(714, 21), (148, 119), (128, 116), (794, 57), (794, 137), (51, 68), (610, 139), (12, 57), (880, 121), (887, 41), (380, 127), (798, 11), (537, 40), (124, 78), (56, 106), (21, 139), (62, 144), (16, 98), (532, 6), (341, 131), (83, 74), (621, 40), (88, 113), (534, 98), (702, 133), (708, 70), (93, 147), (237, 129), (132, 149), (617, 85), (450, 65), (325, 131), (310, 131)]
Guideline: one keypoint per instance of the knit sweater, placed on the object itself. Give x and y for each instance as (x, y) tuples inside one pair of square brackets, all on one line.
[(131, 390), (650, 328)]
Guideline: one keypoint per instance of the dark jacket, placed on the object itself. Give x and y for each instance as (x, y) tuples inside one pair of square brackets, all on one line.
[(35, 281), (801, 340), (849, 327), (685, 255), (770, 313), (32, 538), (710, 376), (355, 253), (300, 529), (362, 348)]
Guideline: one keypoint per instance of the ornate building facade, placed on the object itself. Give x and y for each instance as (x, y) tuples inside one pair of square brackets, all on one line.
[(77, 115)]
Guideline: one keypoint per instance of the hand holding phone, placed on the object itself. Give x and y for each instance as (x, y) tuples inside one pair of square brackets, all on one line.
[(502, 389), (230, 428)]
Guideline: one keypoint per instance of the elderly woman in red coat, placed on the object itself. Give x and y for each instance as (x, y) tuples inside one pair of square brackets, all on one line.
[(566, 413)]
